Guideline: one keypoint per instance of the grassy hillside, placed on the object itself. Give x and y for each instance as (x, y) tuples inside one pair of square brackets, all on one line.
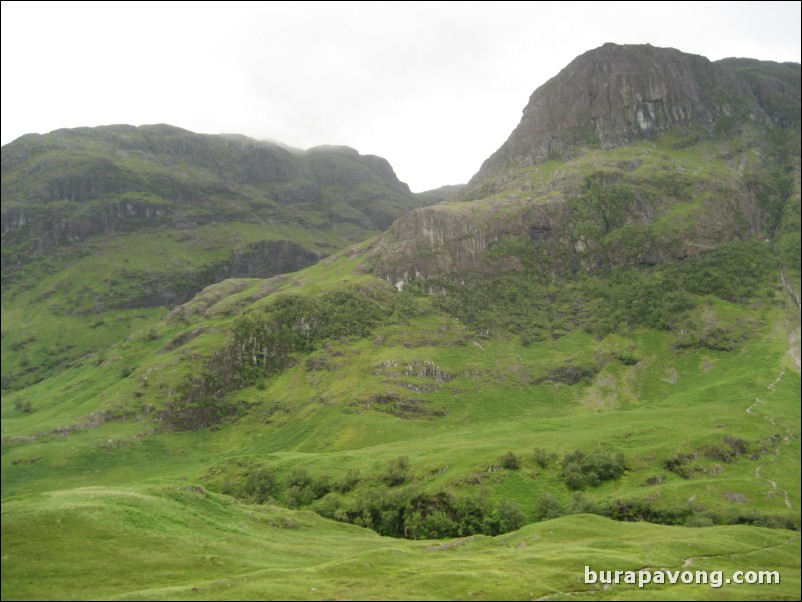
[(107, 229), (181, 542), (398, 411), (586, 362)]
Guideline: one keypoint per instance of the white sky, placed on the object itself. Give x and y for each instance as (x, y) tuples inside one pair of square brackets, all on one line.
[(434, 87)]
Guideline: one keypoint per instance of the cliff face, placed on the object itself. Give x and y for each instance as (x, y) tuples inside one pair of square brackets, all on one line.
[(597, 221), (630, 155), (617, 95)]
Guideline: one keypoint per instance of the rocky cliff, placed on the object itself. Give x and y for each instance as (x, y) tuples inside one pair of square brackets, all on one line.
[(617, 95), (631, 155)]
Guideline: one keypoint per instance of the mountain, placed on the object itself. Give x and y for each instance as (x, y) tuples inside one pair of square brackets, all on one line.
[(105, 229), (618, 95), (610, 158), (584, 359)]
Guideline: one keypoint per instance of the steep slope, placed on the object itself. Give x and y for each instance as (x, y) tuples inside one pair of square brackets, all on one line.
[(632, 155), (612, 333), (617, 95), (101, 227)]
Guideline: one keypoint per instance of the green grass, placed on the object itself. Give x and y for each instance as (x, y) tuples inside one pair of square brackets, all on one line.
[(491, 404), (89, 447), (181, 543), (699, 393)]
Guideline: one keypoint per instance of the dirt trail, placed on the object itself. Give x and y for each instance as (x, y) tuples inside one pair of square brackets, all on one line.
[(750, 410), (774, 487), (690, 560)]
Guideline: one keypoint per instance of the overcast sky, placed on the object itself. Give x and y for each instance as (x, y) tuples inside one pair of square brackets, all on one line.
[(434, 87)]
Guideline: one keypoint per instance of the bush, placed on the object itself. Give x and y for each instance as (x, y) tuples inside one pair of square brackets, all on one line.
[(548, 506), (699, 521), (543, 458), (23, 406), (398, 471), (347, 482), (510, 461), (321, 486), (330, 506), (297, 496), (732, 271), (299, 478), (300, 489), (582, 505), (407, 512), (581, 470), (505, 517), (433, 525), (574, 478), (260, 485), (471, 514)]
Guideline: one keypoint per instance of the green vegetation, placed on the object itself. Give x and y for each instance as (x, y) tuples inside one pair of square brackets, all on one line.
[(596, 364), (398, 412), (107, 229), (181, 542), (590, 470)]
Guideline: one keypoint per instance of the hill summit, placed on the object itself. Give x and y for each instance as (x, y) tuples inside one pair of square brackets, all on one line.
[(619, 94), (631, 155)]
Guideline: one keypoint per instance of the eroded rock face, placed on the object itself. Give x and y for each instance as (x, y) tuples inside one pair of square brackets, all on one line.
[(612, 211), (616, 95), (454, 239), (262, 259), (268, 258), (566, 233)]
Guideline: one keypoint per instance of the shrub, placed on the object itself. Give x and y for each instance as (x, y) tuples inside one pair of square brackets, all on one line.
[(260, 485), (471, 514), (548, 506), (510, 461), (582, 505), (574, 479), (330, 506), (543, 458), (397, 471), (432, 525), (581, 470), (321, 486), (297, 496), (299, 478), (407, 512), (347, 482), (505, 517), (23, 406)]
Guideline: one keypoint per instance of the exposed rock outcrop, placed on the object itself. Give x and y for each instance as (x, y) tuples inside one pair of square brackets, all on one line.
[(617, 209), (616, 95)]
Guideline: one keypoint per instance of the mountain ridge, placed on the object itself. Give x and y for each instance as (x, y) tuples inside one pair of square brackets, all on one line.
[(143, 218)]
